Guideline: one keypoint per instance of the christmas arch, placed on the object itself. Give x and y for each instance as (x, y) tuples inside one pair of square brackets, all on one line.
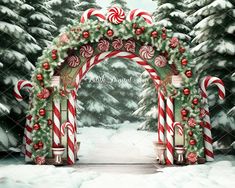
[(183, 115)]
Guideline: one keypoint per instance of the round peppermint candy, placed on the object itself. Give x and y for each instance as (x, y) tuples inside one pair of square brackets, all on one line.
[(117, 44), (160, 61), (130, 46), (86, 51), (116, 15), (146, 52), (73, 61), (103, 45)]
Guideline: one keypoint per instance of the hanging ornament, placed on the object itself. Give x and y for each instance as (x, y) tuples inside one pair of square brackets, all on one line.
[(190, 133), (86, 51), (192, 122), (39, 77), (40, 160), (160, 61), (184, 62), (36, 126), (192, 158), (186, 91), (181, 50), (138, 31), (46, 65), (174, 42), (117, 44), (164, 36), (146, 52), (40, 144), (184, 112), (54, 51), (142, 29), (110, 33), (103, 45), (134, 25), (64, 38), (130, 46), (195, 101), (189, 73), (42, 112), (85, 34), (116, 15), (49, 122), (35, 147), (73, 61), (154, 34), (192, 142)]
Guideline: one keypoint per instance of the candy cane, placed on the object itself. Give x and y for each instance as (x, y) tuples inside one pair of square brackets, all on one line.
[(21, 84), (205, 83), (169, 131), (119, 54), (71, 144), (180, 128), (161, 117), (27, 139), (140, 13), (56, 125), (92, 12), (71, 119)]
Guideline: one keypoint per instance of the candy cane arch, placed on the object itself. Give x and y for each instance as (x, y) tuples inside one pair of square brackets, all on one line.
[(21, 84), (118, 54), (161, 117), (169, 131), (140, 13), (70, 140), (205, 83), (92, 12)]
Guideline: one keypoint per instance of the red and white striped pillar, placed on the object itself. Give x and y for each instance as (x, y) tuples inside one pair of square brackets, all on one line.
[(27, 139), (161, 117), (57, 123), (169, 131)]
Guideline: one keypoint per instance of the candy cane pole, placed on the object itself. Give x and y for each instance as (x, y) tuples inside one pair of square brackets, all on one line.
[(27, 139), (161, 117), (71, 119), (92, 12), (180, 128), (205, 83), (56, 125), (140, 13), (70, 140), (169, 131)]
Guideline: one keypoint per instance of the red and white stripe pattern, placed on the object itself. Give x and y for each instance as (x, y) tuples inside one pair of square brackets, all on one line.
[(180, 128), (92, 12), (70, 141), (21, 84), (169, 131), (27, 139), (118, 54), (140, 13), (71, 120), (161, 117), (205, 83), (57, 123)]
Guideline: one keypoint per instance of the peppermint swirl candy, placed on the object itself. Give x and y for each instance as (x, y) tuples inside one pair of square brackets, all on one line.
[(130, 46), (86, 51), (160, 61), (146, 52), (116, 15), (73, 61), (117, 44), (103, 45)]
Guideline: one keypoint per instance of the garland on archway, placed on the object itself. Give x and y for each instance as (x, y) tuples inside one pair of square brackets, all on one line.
[(152, 43)]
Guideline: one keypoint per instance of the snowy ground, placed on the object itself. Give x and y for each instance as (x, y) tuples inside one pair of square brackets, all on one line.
[(126, 145)]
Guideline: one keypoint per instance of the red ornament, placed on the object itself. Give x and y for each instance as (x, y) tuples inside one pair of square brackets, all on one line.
[(174, 42), (49, 122), (36, 127), (190, 133), (195, 101), (186, 91), (54, 56), (40, 144), (44, 94), (134, 25), (110, 32), (42, 112), (46, 65), (192, 158), (181, 50), (35, 147), (39, 77), (164, 36), (192, 122), (154, 34), (189, 73), (202, 124), (138, 31), (184, 112), (54, 51), (142, 28), (192, 142), (86, 34), (184, 62)]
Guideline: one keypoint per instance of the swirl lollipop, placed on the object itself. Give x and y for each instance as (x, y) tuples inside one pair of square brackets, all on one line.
[(147, 52), (116, 15), (86, 51)]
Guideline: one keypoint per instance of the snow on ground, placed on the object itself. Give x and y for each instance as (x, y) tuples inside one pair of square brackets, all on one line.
[(131, 146)]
